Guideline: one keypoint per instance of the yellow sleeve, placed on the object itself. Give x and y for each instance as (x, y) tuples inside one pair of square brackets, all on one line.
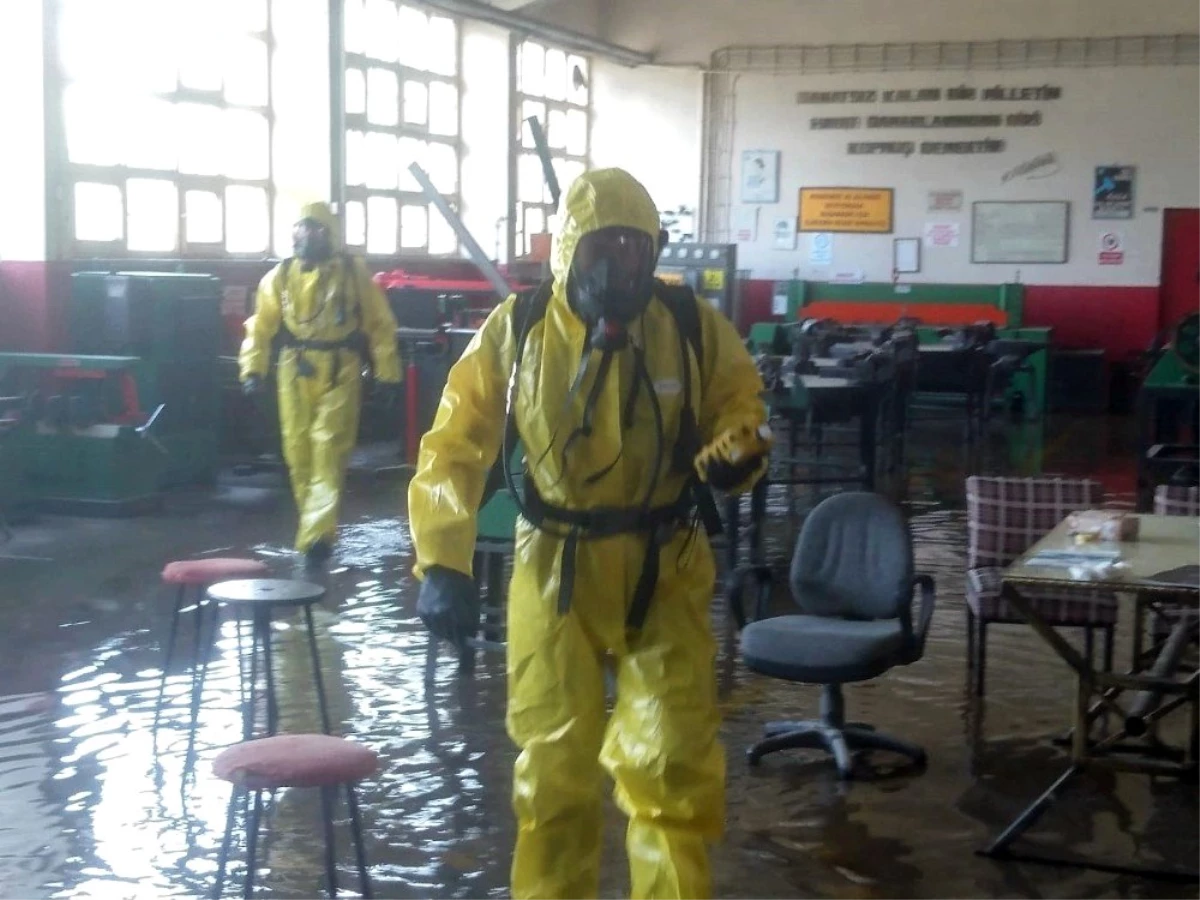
[(255, 355), (731, 386), (379, 325), (458, 452)]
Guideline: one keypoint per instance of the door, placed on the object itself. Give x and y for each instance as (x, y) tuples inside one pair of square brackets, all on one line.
[(1179, 293)]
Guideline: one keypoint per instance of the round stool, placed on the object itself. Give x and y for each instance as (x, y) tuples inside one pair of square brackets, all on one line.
[(199, 574), (260, 597), (297, 761)]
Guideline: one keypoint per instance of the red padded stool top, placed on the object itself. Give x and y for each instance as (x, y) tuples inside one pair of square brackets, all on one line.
[(295, 760), (207, 571)]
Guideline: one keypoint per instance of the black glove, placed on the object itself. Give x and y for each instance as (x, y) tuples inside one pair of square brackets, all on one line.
[(252, 385), (449, 605), (725, 476)]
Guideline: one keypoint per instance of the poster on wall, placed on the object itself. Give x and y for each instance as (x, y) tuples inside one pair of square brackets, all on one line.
[(784, 233), (1020, 231), (820, 249), (1112, 193), (745, 225), (760, 176), (945, 201), (846, 210), (942, 234), (1112, 249)]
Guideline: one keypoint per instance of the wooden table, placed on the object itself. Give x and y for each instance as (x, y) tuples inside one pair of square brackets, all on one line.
[(1138, 699)]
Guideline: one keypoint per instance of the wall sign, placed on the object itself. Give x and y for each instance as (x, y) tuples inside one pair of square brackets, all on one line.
[(945, 201), (906, 256), (820, 249), (1112, 251), (1042, 166), (941, 234), (784, 235), (1112, 193), (1018, 231), (760, 176), (848, 210)]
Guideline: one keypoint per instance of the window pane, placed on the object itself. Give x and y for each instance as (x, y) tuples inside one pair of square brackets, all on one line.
[(577, 132), (356, 224), (556, 133), (414, 227), (411, 151), (285, 218), (443, 108), (245, 15), (442, 239), (153, 209), (146, 131), (567, 171), (531, 109), (381, 160), (354, 25), (531, 185), (416, 103), (414, 38), (535, 220), (202, 53), (247, 146), (381, 225), (356, 162), (131, 57), (247, 223), (93, 126), (533, 64), (356, 92), (97, 212), (577, 72), (442, 167), (556, 75), (443, 45), (382, 36), (202, 217), (383, 98), (246, 72), (200, 135)]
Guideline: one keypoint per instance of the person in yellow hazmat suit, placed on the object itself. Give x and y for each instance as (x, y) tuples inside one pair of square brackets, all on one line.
[(625, 394), (328, 319)]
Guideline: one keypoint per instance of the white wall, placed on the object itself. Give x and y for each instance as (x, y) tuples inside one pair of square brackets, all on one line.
[(1146, 117), (23, 173), (647, 120), (690, 30)]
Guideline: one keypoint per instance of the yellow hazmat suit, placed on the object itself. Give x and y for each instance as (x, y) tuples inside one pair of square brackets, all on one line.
[(660, 744), (329, 316)]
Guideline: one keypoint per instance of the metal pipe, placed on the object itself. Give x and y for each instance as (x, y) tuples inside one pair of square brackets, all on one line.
[(563, 37), (337, 108), (543, 152), (490, 272)]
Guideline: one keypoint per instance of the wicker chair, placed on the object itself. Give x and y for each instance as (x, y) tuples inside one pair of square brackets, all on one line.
[(1005, 517)]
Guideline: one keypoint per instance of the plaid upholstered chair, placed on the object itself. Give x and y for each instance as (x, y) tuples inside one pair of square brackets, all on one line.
[(1173, 500), (1005, 517)]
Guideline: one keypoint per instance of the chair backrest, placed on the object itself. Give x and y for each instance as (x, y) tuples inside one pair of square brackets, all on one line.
[(854, 559), (1176, 500), (1007, 516)]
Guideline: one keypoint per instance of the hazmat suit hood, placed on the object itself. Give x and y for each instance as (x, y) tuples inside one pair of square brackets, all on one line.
[(321, 212), (602, 198)]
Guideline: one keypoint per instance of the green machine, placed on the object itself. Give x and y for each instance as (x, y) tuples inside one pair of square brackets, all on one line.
[(131, 409), (1169, 413)]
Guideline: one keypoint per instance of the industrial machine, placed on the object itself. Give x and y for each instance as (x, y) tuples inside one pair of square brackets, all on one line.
[(709, 269), (132, 407), (1169, 413)]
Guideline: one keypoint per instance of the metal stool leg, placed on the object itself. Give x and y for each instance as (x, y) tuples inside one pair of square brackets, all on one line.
[(360, 853), (223, 858), (252, 845), (199, 674), (264, 626), (316, 667), (250, 712), (169, 656), (330, 847)]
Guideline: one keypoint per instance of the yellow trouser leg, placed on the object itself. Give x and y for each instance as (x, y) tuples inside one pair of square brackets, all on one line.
[(661, 746), (556, 716), (295, 423), (331, 438)]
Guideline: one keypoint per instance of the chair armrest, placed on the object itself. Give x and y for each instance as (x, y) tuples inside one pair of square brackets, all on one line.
[(763, 581), (923, 584)]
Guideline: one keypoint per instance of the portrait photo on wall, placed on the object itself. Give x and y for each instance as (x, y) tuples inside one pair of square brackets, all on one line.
[(760, 176)]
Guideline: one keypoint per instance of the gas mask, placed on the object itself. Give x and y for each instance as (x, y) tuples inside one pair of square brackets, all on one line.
[(611, 282), (311, 243)]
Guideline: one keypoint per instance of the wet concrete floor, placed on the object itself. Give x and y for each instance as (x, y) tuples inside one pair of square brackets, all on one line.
[(89, 809)]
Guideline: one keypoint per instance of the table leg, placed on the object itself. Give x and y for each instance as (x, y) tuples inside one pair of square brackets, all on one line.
[(264, 627), (249, 712), (1029, 816), (318, 682), (758, 518)]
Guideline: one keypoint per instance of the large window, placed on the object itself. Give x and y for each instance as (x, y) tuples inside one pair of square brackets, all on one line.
[(402, 93), (552, 86), (166, 109)]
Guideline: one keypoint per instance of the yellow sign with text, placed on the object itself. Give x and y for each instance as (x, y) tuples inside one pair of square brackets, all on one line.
[(856, 210)]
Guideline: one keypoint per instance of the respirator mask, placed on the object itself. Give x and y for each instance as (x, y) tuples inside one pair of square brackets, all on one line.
[(311, 243), (611, 282)]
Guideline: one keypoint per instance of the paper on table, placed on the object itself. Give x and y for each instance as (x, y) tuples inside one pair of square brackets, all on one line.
[(1053, 559)]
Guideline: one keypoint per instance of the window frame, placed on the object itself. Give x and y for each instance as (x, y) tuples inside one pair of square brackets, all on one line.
[(359, 122), (63, 174), (518, 208)]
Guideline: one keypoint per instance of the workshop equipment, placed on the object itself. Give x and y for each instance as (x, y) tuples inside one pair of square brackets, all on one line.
[(709, 269), (1169, 414)]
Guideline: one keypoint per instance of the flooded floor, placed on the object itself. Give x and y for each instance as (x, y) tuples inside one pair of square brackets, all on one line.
[(90, 808)]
